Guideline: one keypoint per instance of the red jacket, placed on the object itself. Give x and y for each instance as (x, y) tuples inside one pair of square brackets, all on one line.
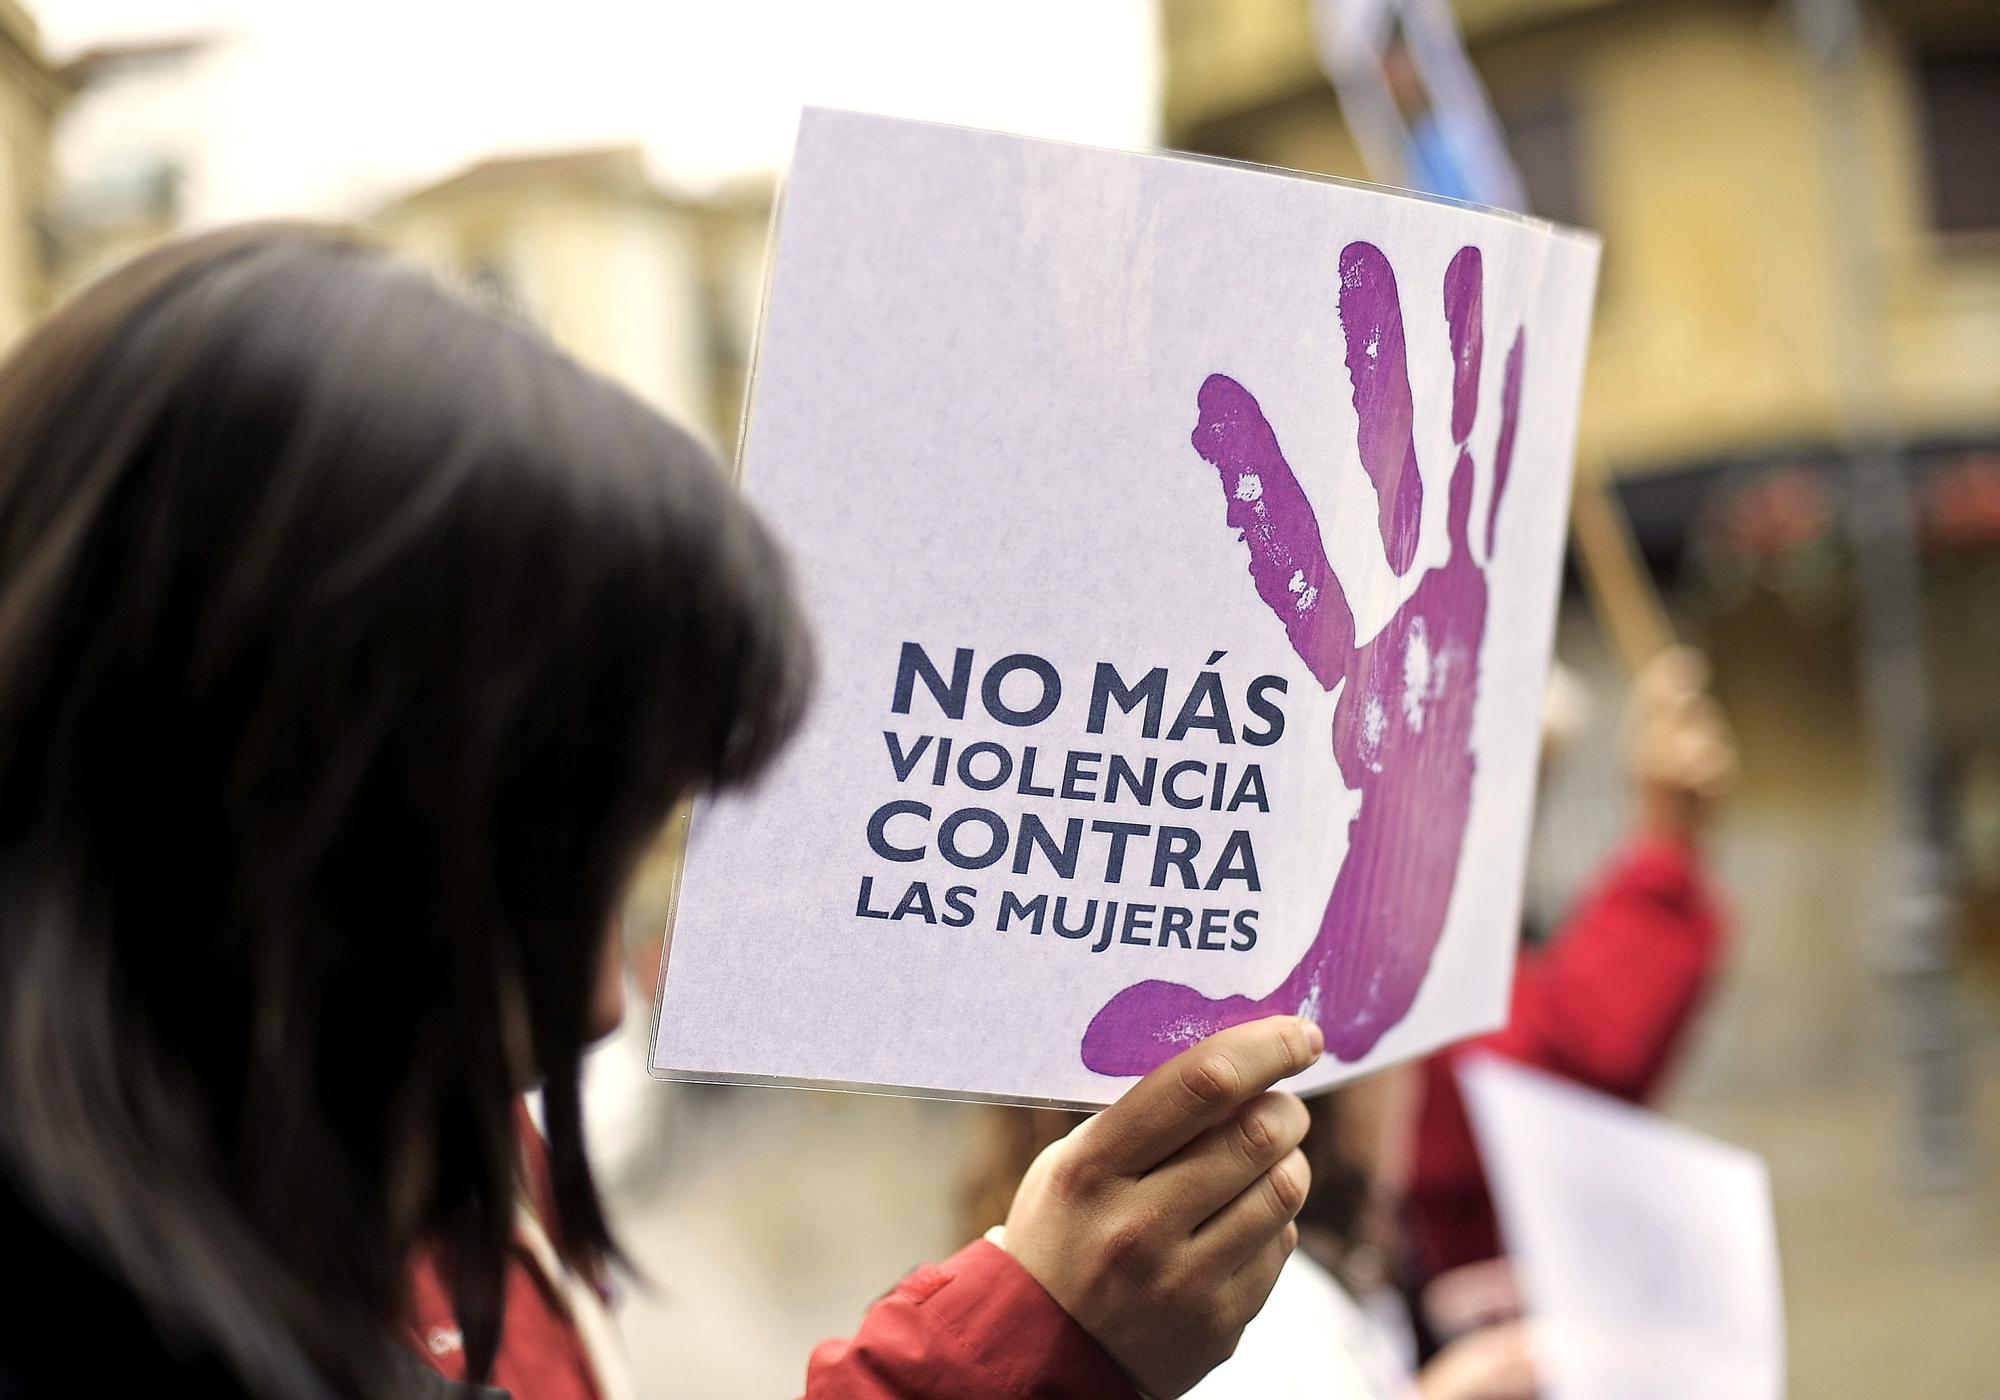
[(1604, 1004), (976, 1327), (543, 1354)]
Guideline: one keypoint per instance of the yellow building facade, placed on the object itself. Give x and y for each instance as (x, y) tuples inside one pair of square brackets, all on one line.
[(585, 244), (31, 94), (657, 289)]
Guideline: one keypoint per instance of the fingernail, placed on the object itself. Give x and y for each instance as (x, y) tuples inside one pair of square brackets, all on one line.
[(1315, 1037)]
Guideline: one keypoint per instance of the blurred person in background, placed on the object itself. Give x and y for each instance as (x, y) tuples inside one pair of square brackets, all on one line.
[(1335, 1325), (1435, 163), (1606, 1002), (354, 642)]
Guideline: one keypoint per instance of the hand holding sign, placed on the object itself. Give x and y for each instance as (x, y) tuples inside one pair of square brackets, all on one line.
[(1403, 729), (1161, 1224)]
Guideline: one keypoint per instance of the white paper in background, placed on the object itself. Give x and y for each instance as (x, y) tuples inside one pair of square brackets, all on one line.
[(1131, 479), (1647, 1251)]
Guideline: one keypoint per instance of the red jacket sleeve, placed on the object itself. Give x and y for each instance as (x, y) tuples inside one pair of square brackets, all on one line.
[(1604, 1004), (976, 1327)]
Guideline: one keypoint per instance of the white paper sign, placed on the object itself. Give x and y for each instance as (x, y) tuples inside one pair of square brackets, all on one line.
[(1182, 543), (1647, 1251)]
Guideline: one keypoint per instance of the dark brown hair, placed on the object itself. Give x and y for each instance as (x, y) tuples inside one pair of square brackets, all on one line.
[(353, 642)]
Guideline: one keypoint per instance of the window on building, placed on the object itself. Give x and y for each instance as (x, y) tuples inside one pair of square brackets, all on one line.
[(489, 280), (1959, 96)]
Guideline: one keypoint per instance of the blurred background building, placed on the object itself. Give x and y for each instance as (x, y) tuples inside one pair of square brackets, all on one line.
[(656, 288), (31, 93), (1686, 131)]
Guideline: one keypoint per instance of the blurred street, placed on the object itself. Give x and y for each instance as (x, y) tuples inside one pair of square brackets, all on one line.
[(779, 1215)]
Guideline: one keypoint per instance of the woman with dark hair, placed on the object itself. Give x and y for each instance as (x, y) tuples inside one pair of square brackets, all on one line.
[(353, 644)]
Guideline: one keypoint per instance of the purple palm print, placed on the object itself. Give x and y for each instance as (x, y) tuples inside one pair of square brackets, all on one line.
[(1402, 727)]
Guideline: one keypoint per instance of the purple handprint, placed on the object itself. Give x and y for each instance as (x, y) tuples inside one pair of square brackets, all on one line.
[(1402, 727)]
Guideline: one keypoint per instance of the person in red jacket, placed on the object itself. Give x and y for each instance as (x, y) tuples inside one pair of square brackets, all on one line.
[(354, 644), (1608, 1000), (978, 1325)]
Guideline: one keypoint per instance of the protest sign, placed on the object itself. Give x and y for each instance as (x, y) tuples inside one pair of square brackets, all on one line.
[(1182, 543), (1646, 1251)]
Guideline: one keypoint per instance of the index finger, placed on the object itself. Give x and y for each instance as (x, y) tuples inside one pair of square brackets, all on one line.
[(1197, 1089)]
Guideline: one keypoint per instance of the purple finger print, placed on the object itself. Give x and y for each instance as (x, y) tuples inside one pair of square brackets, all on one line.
[(1402, 727), (1503, 446), (1464, 297), (1371, 316), (1287, 561)]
